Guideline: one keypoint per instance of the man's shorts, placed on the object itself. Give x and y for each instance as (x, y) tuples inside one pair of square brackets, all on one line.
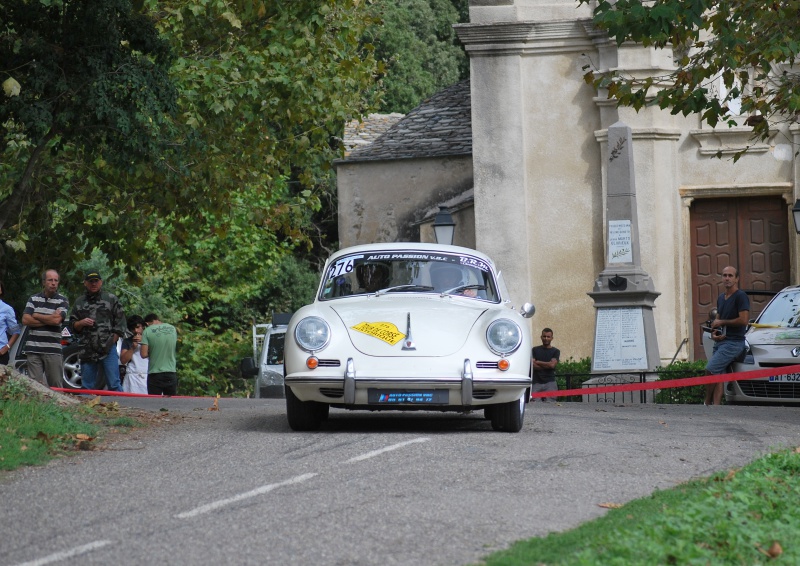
[(725, 352)]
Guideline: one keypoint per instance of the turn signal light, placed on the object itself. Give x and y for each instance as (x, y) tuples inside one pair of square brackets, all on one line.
[(312, 362), (503, 364)]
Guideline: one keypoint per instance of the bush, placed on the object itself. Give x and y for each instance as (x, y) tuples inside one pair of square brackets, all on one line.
[(571, 373), (679, 370)]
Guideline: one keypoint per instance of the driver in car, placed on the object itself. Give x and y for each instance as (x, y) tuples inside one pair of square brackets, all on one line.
[(445, 277)]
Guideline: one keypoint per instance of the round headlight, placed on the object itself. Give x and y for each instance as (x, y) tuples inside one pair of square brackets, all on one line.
[(503, 336), (312, 334)]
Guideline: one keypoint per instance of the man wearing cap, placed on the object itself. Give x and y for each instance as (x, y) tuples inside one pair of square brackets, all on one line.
[(44, 314), (99, 319)]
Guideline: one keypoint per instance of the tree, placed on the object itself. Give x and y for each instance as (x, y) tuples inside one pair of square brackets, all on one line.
[(91, 75), (749, 45), (420, 48)]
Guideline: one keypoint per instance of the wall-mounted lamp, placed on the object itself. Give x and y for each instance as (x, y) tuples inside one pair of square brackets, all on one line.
[(796, 215), (444, 226)]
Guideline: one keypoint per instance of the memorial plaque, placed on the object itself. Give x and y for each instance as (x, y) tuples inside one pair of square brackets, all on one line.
[(620, 243), (619, 340)]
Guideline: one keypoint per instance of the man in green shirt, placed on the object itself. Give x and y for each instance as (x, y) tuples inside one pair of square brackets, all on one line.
[(159, 340)]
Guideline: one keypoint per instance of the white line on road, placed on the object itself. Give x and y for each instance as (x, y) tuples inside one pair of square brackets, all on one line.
[(258, 491), (77, 551), (387, 449)]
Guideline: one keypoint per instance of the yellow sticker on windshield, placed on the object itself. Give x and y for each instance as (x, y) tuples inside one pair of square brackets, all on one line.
[(385, 331)]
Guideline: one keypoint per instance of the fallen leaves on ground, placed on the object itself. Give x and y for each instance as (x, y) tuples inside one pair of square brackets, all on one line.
[(774, 551)]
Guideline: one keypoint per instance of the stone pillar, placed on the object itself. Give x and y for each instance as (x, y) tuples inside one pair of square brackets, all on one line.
[(624, 294)]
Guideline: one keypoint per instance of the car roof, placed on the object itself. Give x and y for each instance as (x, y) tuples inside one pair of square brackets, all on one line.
[(411, 246)]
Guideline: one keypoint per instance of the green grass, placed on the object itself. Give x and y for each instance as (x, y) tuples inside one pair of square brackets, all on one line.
[(34, 430), (731, 518)]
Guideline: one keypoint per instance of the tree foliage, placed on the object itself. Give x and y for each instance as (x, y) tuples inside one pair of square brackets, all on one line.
[(202, 227), (747, 46), (92, 75), (421, 49)]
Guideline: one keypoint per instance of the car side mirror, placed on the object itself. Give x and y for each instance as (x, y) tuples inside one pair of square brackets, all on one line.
[(248, 367), (527, 310)]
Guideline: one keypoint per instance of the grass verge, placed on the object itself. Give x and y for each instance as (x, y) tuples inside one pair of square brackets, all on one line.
[(746, 516), (34, 429)]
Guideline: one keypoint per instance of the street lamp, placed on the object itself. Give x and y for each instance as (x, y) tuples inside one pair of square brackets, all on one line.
[(443, 226), (796, 215)]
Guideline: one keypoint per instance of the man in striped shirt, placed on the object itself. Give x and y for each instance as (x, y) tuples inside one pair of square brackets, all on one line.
[(44, 314)]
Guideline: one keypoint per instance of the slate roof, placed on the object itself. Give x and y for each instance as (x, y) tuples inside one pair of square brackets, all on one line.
[(359, 134), (440, 126)]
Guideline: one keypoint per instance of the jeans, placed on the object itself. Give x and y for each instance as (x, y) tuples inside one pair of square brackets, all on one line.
[(725, 351), (110, 363)]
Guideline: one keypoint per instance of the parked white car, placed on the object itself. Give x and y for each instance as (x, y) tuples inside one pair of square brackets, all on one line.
[(772, 341), (268, 340), (409, 326)]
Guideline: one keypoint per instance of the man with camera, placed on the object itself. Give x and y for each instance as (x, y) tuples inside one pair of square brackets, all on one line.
[(727, 331)]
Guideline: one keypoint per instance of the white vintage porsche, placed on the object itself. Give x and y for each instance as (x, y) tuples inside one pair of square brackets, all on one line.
[(409, 326)]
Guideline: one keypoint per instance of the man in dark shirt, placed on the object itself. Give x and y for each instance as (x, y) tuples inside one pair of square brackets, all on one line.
[(727, 331), (545, 359)]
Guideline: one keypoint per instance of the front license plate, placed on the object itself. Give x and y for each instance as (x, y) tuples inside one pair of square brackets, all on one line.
[(785, 377), (408, 396)]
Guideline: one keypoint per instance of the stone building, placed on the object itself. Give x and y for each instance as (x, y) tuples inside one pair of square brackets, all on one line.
[(536, 164)]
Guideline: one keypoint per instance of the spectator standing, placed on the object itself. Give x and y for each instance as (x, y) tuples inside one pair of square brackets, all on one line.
[(44, 314), (727, 331), (545, 359), (99, 318), (131, 357), (159, 341), (9, 328)]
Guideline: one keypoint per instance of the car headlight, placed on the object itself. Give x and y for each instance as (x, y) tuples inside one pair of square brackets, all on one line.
[(312, 334), (503, 336)]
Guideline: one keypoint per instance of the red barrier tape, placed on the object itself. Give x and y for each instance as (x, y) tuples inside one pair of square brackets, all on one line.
[(666, 384), (106, 393)]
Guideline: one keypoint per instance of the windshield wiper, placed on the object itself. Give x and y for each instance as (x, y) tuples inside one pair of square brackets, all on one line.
[(404, 288)]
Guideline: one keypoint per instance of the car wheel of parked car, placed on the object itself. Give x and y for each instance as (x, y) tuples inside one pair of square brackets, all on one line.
[(72, 368), (507, 417), (304, 415)]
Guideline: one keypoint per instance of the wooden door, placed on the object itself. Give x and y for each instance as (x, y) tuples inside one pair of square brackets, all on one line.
[(751, 234)]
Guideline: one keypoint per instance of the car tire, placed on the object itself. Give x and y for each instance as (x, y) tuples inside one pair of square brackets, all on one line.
[(72, 367), (508, 417), (304, 415), (487, 412)]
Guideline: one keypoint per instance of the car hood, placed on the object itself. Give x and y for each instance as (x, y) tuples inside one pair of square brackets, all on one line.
[(766, 336), (439, 326)]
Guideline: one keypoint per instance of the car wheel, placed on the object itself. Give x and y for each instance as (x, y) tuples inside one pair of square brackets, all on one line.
[(304, 415), (72, 368), (508, 417), (487, 412)]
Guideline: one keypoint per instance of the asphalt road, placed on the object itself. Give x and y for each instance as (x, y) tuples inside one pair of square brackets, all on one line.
[(237, 486)]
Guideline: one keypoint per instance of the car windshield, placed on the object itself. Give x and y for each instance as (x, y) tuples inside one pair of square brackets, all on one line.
[(783, 310), (409, 272)]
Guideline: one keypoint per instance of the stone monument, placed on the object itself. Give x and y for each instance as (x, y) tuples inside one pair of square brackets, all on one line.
[(624, 295)]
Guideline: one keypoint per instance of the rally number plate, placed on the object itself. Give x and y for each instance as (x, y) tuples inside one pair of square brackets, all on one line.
[(408, 396)]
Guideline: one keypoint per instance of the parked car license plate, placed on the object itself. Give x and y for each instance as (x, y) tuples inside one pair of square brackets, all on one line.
[(785, 377), (408, 396)]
